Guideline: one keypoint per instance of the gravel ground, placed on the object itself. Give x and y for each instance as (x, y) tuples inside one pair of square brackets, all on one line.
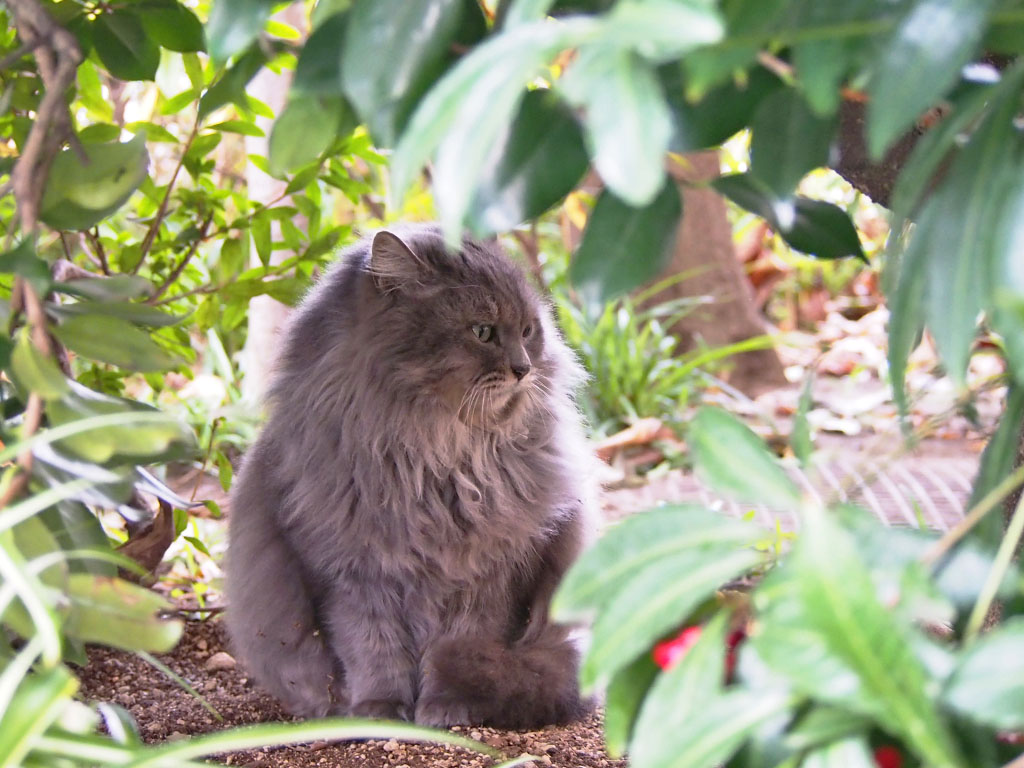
[(164, 710)]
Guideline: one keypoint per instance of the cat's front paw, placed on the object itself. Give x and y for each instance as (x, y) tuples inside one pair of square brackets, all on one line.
[(381, 709), (443, 711)]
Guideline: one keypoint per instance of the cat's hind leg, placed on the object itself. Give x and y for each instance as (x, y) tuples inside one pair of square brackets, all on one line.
[(271, 618)]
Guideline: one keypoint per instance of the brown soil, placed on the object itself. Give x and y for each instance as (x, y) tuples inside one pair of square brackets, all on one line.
[(164, 710)]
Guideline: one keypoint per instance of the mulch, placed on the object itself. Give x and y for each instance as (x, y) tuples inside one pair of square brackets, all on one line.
[(164, 710)]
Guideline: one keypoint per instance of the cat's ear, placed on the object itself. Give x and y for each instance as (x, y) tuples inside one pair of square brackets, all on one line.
[(393, 264)]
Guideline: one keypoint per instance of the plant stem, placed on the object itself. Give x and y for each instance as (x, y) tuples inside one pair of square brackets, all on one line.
[(995, 576), (972, 518)]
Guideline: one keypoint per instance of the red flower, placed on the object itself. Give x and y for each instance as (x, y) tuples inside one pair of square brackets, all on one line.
[(888, 757), (668, 653)]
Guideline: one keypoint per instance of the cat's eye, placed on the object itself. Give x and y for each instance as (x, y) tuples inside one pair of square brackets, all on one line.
[(527, 331), (484, 332)]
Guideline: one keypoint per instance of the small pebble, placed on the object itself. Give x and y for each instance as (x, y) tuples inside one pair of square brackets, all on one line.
[(475, 735), (316, 746), (390, 745), (220, 661), (201, 644)]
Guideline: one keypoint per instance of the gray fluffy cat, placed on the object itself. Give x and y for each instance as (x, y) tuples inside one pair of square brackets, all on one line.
[(399, 526)]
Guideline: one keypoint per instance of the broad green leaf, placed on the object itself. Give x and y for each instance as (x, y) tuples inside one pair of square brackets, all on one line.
[(713, 733), (842, 611), (506, 62), (123, 46), (119, 614), (78, 195), (637, 542), (136, 313), (99, 133), (318, 71), (234, 25), (622, 701), (654, 601), (735, 461), (107, 289), (533, 165), (230, 86), (137, 442), (821, 66), (173, 26), (307, 126), (237, 126), (393, 50), (37, 703), (22, 260), (115, 341), (998, 461), (623, 246), (846, 753), (627, 121), (788, 141), (76, 528), (988, 682), (919, 63), (823, 725), (680, 692), (663, 30), (35, 372)]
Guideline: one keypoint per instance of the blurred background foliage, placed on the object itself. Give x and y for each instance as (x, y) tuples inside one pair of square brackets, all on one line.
[(167, 167)]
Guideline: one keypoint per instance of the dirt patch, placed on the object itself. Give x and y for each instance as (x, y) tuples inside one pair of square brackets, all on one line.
[(164, 710)]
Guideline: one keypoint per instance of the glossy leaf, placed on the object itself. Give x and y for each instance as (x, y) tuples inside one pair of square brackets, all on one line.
[(115, 341), (735, 461), (79, 194), (22, 260), (627, 121), (230, 86), (661, 30), (173, 26), (35, 372), (307, 126), (234, 25), (623, 246), (119, 614), (533, 165), (654, 601), (919, 63), (392, 52), (788, 141), (318, 71), (988, 682), (123, 46), (636, 543)]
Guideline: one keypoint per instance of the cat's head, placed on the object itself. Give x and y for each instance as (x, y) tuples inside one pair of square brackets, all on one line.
[(464, 326)]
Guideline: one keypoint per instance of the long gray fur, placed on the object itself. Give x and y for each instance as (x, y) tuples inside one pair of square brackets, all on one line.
[(399, 526)]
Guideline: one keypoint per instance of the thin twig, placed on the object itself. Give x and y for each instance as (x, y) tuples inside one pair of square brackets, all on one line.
[(203, 289), (21, 50), (161, 212), (176, 272), (93, 236), (1003, 559)]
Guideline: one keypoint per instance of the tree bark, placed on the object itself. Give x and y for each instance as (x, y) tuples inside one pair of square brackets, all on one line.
[(704, 246)]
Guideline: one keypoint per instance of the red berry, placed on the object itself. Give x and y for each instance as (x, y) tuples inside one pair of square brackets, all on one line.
[(668, 653), (888, 757)]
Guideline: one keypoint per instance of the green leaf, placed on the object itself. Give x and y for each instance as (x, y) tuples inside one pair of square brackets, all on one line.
[(844, 621), (919, 63), (636, 543), (79, 195), (846, 753), (76, 528), (35, 372), (119, 614), (800, 435), (99, 132), (623, 246), (237, 126), (654, 601), (306, 128), (622, 701), (22, 260), (998, 460), (679, 693), (532, 166), (1002, 270), (318, 71), (230, 86), (172, 26), (663, 30), (713, 733), (735, 461), (234, 25), (123, 45), (823, 725), (136, 313), (627, 121), (115, 341), (393, 50), (113, 288), (988, 682), (37, 703), (788, 141)]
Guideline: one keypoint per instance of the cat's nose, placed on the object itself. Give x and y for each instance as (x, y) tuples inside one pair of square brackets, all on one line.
[(520, 369)]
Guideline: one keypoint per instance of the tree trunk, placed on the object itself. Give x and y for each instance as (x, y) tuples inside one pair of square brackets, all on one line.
[(704, 246)]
